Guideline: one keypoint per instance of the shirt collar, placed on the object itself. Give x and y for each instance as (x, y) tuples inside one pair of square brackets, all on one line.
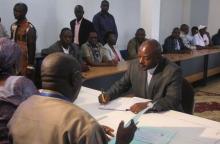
[(79, 21), (151, 71), (54, 94)]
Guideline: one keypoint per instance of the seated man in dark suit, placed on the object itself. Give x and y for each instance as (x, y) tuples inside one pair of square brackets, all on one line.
[(66, 46), (216, 38), (174, 43), (151, 76), (80, 26)]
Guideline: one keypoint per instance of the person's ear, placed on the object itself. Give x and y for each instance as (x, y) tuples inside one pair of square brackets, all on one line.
[(75, 78), (60, 36)]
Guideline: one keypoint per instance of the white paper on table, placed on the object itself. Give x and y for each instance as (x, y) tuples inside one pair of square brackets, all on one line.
[(150, 135), (123, 103)]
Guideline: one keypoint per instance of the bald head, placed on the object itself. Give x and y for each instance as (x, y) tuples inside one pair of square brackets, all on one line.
[(61, 72), (149, 54)]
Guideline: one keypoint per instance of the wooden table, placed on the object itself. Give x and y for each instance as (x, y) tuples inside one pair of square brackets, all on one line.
[(205, 53), (96, 75), (96, 72)]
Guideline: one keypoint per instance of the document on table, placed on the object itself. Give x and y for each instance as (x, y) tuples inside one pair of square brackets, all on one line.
[(122, 103), (151, 135)]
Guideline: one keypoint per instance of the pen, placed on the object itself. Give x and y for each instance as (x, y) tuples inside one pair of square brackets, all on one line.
[(102, 95)]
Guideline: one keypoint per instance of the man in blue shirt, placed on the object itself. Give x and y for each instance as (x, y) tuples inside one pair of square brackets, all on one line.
[(103, 22)]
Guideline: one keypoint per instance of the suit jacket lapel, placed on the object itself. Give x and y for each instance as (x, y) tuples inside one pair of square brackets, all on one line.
[(81, 27), (155, 78)]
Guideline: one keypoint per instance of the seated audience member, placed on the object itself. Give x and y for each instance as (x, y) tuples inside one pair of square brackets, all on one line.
[(201, 39), (80, 26), (194, 30), (134, 43), (216, 38), (52, 118), (13, 89), (112, 52), (174, 43), (3, 32), (66, 46), (186, 38), (151, 76), (94, 53)]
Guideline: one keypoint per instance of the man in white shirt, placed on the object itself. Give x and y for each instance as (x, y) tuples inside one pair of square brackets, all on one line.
[(201, 39), (184, 35)]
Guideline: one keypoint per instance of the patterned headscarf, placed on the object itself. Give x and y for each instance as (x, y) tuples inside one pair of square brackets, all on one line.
[(9, 56)]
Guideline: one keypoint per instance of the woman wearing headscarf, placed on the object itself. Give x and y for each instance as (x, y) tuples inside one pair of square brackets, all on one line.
[(13, 89)]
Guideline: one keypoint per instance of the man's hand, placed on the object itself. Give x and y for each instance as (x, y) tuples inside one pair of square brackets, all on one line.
[(103, 99), (136, 108), (108, 131), (125, 135)]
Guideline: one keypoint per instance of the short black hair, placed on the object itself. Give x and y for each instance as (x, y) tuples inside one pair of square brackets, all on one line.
[(183, 25), (104, 1), (23, 5), (140, 29), (64, 29), (194, 27), (78, 7), (174, 29)]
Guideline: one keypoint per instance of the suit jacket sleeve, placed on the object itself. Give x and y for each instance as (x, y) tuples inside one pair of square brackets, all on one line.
[(121, 86), (53, 48), (168, 46), (173, 94)]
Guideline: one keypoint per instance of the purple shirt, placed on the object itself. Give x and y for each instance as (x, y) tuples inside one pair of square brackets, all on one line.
[(104, 23)]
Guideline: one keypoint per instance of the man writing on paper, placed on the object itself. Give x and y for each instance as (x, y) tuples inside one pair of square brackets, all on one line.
[(151, 76), (52, 118)]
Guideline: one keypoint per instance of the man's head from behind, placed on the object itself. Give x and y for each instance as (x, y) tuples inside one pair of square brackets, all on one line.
[(184, 28), (61, 73), (140, 35), (104, 6), (20, 11), (149, 54), (79, 12), (66, 37)]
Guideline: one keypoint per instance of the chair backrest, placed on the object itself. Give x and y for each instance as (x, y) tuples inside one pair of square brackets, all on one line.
[(187, 97), (124, 54)]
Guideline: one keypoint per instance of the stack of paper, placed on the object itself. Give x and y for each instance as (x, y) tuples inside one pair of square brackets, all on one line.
[(122, 103)]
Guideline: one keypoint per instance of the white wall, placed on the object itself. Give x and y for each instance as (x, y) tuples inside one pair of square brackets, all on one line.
[(150, 17), (199, 12), (157, 17), (213, 17), (50, 16), (170, 17)]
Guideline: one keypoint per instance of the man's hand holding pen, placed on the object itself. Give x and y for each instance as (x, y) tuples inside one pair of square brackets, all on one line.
[(103, 98)]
